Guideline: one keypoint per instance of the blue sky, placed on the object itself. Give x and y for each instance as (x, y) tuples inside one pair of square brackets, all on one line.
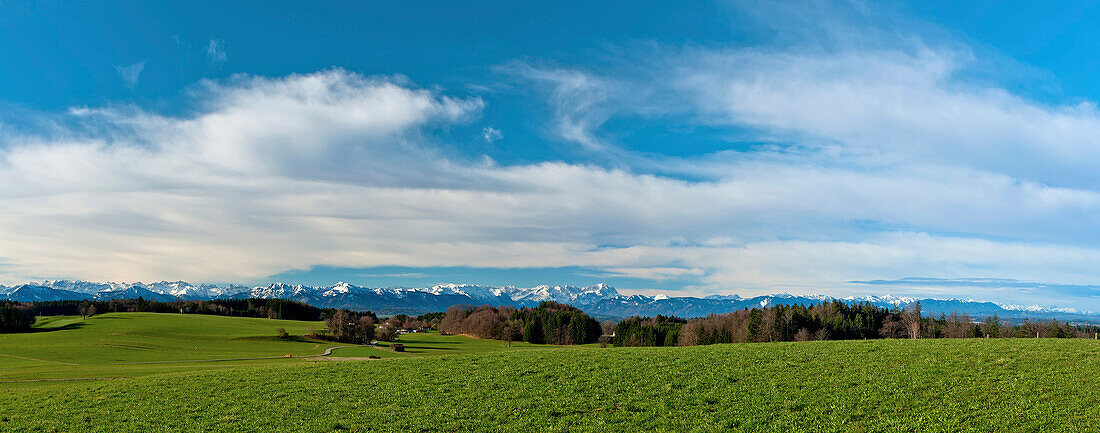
[(925, 148)]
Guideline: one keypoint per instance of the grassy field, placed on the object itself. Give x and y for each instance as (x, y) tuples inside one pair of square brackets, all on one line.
[(137, 344), (433, 344), (890, 385), (1012, 385)]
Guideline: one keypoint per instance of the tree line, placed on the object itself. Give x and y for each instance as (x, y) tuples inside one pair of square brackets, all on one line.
[(19, 316), (355, 327), (549, 323), (833, 320), (15, 317), (252, 307), (343, 325)]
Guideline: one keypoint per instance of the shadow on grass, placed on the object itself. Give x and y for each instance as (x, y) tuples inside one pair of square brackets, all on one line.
[(414, 348), (70, 326), (432, 342), (292, 338), (410, 347)]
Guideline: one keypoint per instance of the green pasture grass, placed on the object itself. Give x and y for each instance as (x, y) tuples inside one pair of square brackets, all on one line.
[(1003, 385), (432, 343), (116, 345), (366, 352), (144, 337)]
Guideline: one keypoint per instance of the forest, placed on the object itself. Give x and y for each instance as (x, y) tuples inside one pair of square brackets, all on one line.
[(829, 321), (17, 316), (549, 323)]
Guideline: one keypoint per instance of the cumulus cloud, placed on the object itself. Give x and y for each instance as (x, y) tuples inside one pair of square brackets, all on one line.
[(143, 192)]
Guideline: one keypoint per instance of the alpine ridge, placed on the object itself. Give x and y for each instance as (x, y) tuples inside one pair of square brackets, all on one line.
[(599, 300)]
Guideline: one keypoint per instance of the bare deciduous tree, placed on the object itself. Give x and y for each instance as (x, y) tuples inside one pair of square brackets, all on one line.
[(86, 309)]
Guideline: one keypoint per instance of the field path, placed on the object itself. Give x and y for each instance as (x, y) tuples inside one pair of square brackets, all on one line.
[(36, 359), (326, 353), (60, 380)]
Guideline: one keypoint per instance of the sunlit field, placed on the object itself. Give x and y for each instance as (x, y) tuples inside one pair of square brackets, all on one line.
[(115, 345), (881, 385)]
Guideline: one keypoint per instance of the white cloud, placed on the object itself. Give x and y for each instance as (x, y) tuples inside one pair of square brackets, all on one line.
[(656, 273), (491, 134), (889, 158), (183, 208), (577, 99), (889, 107)]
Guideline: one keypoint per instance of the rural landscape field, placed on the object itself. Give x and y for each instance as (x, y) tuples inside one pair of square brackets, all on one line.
[(457, 383), (135, 344), (552, 216)]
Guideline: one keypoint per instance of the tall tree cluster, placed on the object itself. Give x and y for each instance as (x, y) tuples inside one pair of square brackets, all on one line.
[(550, 323), (15, 317), (350, 327), (648, 331)]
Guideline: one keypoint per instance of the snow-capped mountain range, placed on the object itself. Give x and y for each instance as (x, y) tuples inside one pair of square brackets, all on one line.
[(600, 300)]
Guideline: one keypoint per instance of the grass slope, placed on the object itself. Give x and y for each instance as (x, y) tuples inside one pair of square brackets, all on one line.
[(136, 344), (134, 337), (892, 385), (108, 345)]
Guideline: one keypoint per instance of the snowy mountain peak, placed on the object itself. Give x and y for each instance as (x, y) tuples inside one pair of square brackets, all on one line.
[(724, 297), (884, 299), (338, 288), (596, 299)]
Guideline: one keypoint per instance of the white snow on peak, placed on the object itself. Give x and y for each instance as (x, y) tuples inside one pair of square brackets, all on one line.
[(733, 297), (337, 289), (884, 299), (1030, 308), (476, 294), (1041, 309)]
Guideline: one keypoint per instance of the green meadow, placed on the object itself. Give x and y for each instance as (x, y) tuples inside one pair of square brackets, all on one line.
[(431, 344), (134, 344), (115, 345), (454, 383)]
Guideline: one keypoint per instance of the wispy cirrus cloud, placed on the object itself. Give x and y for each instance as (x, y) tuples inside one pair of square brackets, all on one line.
[(130, 74), (215, 52), (580, 101)]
